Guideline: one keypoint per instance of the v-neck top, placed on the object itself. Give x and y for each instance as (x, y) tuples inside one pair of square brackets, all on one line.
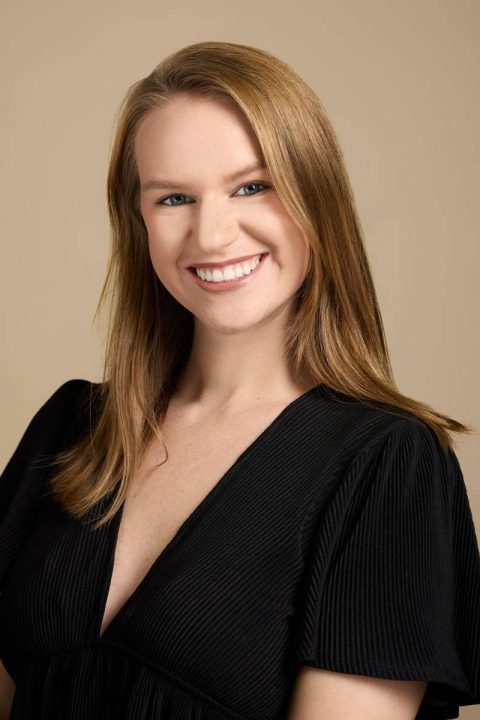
[(341, 538)]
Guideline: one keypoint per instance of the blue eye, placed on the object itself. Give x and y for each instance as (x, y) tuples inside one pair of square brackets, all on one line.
[(163, 202), (262, 186), (253, 184)]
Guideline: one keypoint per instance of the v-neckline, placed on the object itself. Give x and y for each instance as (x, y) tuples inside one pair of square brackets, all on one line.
[(113, 527)]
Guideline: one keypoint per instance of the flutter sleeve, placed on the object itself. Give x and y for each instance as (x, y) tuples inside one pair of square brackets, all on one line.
[(22, 482), (392, 587)]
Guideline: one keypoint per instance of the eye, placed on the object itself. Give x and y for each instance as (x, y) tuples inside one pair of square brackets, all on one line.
[(253, 185), (170, 197)]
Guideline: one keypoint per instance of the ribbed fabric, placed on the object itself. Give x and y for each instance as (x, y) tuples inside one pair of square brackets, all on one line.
[(342, 538)]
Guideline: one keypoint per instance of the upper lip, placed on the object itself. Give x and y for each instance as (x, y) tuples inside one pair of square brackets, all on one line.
[(226, 262)]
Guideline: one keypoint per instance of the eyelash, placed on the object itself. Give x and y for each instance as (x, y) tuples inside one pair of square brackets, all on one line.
[(162, 201)]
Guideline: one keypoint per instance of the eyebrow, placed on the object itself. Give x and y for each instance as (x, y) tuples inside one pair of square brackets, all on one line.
[(173, 185)]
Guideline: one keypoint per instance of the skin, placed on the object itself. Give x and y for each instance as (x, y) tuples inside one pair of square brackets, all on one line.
[(237, 361), (325, 695), (237, 358), (7, 691)]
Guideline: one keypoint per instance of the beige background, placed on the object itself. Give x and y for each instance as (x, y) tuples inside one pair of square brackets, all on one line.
[(399, 80)]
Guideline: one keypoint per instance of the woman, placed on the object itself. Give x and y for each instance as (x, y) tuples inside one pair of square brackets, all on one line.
[(246, 518)]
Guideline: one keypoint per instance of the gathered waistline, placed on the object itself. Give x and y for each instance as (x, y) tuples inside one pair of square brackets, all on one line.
[(104, 644)]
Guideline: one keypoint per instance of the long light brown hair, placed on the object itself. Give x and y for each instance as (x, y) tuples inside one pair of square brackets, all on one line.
[(336, 332)]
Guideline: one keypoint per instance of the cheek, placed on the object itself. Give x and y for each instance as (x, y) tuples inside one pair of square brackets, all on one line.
[(283, 230), (161, 257), (163, 243), (293, 247)]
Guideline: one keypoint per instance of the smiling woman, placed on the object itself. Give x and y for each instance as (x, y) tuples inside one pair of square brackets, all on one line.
[(245, 519), (218, 226)]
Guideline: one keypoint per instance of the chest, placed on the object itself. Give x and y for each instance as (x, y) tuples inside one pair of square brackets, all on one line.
[(201, 575), (163, 495)]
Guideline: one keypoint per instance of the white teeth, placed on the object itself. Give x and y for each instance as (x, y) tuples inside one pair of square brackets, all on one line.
[(228, 273)]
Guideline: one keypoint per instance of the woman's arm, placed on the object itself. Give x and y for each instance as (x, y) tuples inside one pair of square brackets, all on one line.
[(319, 693), (7, 691)]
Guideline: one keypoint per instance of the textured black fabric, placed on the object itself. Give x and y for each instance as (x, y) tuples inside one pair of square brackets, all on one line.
[(341, 538)]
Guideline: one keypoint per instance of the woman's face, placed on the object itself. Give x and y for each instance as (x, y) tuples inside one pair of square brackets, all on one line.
[(202, 206)]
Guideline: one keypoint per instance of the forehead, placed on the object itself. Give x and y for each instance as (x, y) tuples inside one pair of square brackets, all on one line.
[(195, 134)]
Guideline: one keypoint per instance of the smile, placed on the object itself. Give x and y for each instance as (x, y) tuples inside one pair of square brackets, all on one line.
[(228, 277), (229, 272)]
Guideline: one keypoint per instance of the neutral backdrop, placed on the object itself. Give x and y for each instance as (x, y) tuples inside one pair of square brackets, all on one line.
[(399, 80)]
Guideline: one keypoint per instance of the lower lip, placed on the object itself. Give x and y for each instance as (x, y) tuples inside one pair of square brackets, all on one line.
[(228, 284)]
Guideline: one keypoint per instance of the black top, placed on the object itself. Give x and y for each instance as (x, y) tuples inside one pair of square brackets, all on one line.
[(341, 538)]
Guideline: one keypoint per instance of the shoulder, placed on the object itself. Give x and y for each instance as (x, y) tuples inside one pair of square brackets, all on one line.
[(61, 416), (362, 428), (65, 403), (395, 474)]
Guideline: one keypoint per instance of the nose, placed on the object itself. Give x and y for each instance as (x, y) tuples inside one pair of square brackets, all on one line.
[(214, 226)]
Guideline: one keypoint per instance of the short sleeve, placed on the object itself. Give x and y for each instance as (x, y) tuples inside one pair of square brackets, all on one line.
[(22, 482), (392, 586)]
